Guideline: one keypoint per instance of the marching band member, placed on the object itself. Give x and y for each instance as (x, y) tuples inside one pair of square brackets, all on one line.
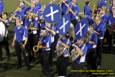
[(88, 12), (64, 7), (54, 38), (38, 7), (74, 6), (46, 42), (33, 26), (104, 19), (100, 28), (78, 56), (92, 44), (63, 55), (112, 27), (5, 20), (102, 3), (19, 42)]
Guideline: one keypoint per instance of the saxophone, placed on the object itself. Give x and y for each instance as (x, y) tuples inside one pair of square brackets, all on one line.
[(37, 47)]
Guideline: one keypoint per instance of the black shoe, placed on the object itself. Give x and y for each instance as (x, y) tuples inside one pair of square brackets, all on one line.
[(1, 59), (28, 67), (18, 67)]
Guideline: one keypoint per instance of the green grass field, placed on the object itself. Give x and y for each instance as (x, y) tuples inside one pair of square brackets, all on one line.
[(11, 5), (10, 70)]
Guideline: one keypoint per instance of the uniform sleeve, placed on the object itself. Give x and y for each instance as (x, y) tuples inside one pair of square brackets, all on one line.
[(25, 36), (14, 30), (95, 38), (102, 31), (77, 10)]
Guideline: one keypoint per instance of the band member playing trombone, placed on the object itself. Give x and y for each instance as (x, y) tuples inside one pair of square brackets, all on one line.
[(19, 42)]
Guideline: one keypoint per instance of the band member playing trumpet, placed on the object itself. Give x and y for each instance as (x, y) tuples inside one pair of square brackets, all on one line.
[(63, 48), (19, 42), (78, 56)]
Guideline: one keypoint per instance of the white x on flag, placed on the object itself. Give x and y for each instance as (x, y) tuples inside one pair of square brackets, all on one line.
[(64, 24), (80, 29), (52, 12)]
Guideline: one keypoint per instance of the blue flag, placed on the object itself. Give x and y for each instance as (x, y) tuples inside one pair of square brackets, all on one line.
[(63, 25), (52, 13), (81, 29)]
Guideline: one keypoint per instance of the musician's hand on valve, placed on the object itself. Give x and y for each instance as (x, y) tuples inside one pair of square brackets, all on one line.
[(79, 51)]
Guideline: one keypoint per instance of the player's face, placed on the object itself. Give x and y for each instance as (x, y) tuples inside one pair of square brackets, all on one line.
[(74, 1), (90, 29), (80, 42), (97, 20), (102, 12), (4, 16), (18, 22), (113, 2), (30, 15), (33, 4)]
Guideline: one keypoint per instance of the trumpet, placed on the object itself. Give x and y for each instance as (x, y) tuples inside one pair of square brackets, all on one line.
[(75, 53), (37, 47)]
